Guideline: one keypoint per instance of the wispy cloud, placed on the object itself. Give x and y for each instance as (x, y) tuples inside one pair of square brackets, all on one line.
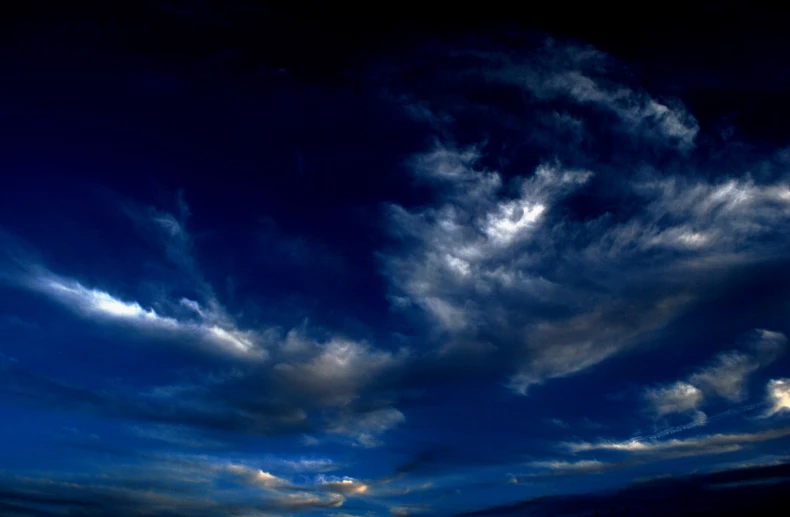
[(277, 380), (103, 307), (725, 376), (178, 435), (568, 467), (473, 270), (364, 428), (203, 485), (500, 262), (708, 444), (332, 373), (578, 74)]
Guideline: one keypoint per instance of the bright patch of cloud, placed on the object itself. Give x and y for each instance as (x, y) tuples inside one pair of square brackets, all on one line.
[(334, 372), (104, 307), (257, 477), (778, 396), (676, 398), (346, 485)]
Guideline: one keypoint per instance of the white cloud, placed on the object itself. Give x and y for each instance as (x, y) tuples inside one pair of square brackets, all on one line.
[(308, 501), (559, 349), (675, 398), (726, 376), (332, 373), (778, 396), (101, 306), (706, 218), (577, 74), (475, 255), (257, 477), (485, 260), (345, 485), (577, 467), (708, 444)]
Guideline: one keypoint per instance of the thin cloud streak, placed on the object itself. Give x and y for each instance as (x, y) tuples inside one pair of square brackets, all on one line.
[(103, 307)]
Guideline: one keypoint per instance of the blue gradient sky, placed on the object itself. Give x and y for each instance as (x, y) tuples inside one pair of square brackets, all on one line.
[(475, 270)]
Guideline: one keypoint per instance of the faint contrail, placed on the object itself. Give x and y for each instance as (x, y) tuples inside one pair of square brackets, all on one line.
[(691, 425)]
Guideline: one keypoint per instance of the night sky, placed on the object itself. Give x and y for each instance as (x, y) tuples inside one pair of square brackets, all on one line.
[(265, 260)]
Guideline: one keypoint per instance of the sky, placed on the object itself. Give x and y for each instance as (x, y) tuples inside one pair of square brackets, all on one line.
[(263, 262)]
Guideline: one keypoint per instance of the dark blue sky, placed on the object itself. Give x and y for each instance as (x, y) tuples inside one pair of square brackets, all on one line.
[(261, 261)]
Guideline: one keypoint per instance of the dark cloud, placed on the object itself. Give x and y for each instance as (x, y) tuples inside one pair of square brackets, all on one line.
[(732, 492)]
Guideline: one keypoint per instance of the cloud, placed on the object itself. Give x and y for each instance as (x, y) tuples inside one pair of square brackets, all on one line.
[(304, 464), (464, 244), (269, 381), (176, 487), (364, 428), (257, 477), (557, 422), (307, 501), (513, 261), (204, 322), (103, 307), (178, 435), (675, 398), (769, 345), (562, 86), (332, 373), (559, 349), (168, 231), (473, 267), (778, 396), (725, 212), (346, 485), (242, 397), (571, 467), (725, 376), (576, 73), (405, 510), (700, 445)]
